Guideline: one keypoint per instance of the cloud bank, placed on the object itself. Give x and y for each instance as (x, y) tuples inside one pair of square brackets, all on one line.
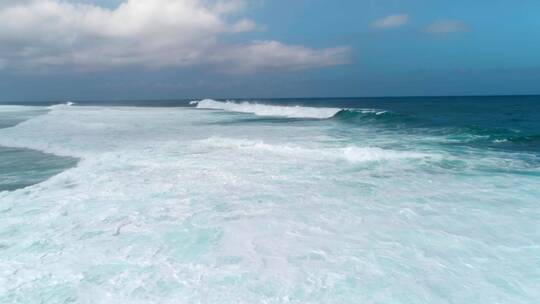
[(391, 21), (153, 34)]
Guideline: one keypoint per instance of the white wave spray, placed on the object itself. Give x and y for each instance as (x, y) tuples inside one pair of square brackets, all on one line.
[(268, 110)]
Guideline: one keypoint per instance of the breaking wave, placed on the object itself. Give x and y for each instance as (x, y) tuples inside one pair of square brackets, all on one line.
[(61, 105), (365, 116), (268, 110), (354, 116)]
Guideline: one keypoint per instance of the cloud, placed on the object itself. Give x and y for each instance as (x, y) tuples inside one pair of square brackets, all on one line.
[(446, 27), (391, 21), (276, 55), (159, 33)]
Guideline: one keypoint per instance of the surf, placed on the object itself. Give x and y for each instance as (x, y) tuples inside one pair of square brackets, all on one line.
[(287, 206), (260, 109)]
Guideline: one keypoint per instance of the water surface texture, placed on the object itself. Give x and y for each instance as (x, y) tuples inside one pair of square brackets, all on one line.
[(20, 168), (412, 200)]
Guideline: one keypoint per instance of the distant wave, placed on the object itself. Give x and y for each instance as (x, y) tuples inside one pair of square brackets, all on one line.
[(268, 110), (364, 116), (62, 105), (360, 116)]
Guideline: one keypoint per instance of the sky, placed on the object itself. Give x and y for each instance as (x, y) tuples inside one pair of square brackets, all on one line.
[(168, 49)]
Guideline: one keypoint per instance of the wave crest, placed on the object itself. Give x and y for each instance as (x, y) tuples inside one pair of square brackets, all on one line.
[(369, 116), (66, 104), (268, 110)]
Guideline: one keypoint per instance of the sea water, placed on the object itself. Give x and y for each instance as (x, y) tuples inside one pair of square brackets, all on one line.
[(20, 168), (405, 200)]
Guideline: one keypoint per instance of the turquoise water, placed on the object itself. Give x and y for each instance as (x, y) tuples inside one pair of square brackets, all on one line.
[(407, 200), (20, 168)]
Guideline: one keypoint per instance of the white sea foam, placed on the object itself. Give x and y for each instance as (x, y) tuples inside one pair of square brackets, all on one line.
[(354, 154), (268, 110), (169, 206), (363, 154)]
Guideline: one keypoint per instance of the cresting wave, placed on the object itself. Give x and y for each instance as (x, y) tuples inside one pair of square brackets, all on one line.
[(61, 105), (289, 111), (268, 110)]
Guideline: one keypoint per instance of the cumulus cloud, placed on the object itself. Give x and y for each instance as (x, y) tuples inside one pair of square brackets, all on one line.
[(446, 27), (157, 33), (391, 21)]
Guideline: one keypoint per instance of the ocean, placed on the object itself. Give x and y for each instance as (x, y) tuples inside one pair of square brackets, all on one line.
[(336, 200)]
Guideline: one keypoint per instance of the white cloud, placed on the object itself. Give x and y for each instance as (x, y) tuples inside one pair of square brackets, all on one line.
[(391, 21), (157, 33), (446, 26), (276, 55)]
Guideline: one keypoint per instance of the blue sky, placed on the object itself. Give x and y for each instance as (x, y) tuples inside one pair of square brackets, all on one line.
[(164, 49)]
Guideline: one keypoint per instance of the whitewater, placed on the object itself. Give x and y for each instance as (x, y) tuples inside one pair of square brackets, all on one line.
[(261, 202)]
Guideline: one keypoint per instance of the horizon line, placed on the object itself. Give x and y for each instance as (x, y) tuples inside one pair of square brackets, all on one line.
[(266, 98)]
